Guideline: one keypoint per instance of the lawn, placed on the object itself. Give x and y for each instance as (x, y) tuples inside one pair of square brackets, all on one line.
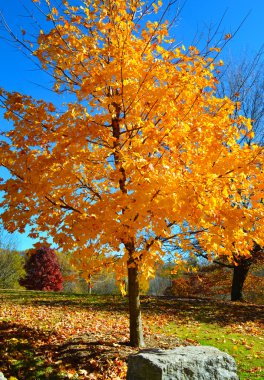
[(69, 336)]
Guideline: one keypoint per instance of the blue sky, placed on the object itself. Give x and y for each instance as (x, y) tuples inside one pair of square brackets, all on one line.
[(17, 72)]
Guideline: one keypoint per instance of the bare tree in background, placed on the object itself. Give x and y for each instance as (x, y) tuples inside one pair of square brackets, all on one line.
[(243, 82)]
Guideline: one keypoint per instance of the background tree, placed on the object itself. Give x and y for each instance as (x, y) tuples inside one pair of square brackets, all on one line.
[(105, 283), (11, 268), (99, 281), (242, 81), (42, 271), (162, 280), (238, 264), (11, 263), (142, 145), (214, 281), (72, 281)]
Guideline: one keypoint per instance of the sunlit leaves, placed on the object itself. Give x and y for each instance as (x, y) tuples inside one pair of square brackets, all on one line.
[(142, 145)]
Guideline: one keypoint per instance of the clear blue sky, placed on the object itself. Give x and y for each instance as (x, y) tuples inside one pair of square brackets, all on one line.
[(17, 72)]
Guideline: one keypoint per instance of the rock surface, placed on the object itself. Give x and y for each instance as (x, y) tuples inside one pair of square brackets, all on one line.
[(182, 363)]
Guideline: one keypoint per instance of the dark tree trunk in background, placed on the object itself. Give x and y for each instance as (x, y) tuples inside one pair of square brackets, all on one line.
[(135, 322), (239, 276)]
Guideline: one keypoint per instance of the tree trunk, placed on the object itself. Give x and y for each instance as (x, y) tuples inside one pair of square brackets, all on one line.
[(135, 322), (239, 276), (89, 284)]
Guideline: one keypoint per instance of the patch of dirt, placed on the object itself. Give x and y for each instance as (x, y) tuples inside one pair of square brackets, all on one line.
[(88, 352)]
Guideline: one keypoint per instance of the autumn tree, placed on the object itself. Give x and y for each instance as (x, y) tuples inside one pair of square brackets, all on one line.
[(11, 268), (42, 271), (240, 266), (142, 145), (72, 282), (11, 262), (100, 279), (200, 247), (242, 81)]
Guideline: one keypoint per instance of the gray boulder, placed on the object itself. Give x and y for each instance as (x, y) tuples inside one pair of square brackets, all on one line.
[(182, 363)]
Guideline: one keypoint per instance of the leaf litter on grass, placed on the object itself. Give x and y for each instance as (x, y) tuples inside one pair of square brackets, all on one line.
[(58, 336)]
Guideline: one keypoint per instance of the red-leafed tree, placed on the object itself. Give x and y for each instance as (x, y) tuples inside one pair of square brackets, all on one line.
[(42, 271)]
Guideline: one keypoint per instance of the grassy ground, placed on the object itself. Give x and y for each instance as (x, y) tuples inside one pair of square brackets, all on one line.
[(64, 336)]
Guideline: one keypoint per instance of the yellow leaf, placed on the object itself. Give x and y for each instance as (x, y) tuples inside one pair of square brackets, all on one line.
[(228, 36), (225, 192), (54, 11)]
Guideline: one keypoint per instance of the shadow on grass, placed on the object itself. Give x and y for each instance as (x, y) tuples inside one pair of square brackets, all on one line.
[(26, 353), (206, 311), (50, 299), (90, 353), (100, 304), (107, 356), (201, 310), (31, 354)]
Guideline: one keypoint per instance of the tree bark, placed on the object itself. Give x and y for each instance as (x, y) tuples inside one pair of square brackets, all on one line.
[(239, 276), (90, 284), (135, 322)]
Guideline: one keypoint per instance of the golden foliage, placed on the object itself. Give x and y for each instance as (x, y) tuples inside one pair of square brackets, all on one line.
[(144, 144)]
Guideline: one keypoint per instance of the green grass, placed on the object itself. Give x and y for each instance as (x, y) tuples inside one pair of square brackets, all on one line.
[(247, 350)]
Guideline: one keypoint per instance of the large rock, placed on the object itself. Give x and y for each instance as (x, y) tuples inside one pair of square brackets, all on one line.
[(182, 363)]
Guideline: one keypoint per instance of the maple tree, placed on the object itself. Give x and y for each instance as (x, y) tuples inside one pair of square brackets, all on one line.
[(142, 145), (42, 271)]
